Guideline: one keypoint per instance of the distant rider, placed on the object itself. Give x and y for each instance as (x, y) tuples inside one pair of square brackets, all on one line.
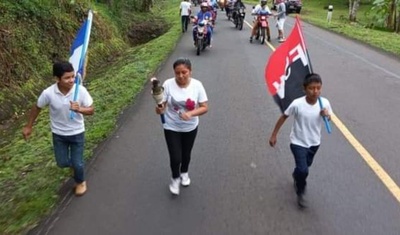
[(261, 8), (213, 6), (229, 6), (236, 6), (204, 14)]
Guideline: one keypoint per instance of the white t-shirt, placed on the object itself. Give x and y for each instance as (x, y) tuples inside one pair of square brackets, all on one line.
[(259, 8), (59, 104), (185, 7), (181, 100), (281, 10), (306, 129)]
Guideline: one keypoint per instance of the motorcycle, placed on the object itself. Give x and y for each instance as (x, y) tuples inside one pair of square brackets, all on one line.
[(239, 19), (263, 28), (201, 39)]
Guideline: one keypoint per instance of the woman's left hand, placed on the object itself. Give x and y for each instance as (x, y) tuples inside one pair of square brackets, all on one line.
[(186, 116)]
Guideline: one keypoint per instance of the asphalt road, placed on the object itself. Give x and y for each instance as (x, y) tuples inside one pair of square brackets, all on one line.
[(240, 185)]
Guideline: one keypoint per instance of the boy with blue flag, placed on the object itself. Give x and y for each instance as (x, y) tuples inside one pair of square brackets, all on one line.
[(68, 134)]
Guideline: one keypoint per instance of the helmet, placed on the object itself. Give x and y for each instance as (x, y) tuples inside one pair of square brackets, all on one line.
[(203, 4), (263, 2)]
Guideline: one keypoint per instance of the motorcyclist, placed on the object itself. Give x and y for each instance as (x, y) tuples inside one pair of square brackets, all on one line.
[(261, 8), (221, 4), (204, 14), (213, 6), (236, 6), (229, 5)]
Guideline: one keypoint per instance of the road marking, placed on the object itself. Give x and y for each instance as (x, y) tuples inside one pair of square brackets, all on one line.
[(370, 63), (266, 42), (366, 156), (372, 163)]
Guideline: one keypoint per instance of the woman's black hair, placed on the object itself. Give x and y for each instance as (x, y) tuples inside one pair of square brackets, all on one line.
[(183, 61), (61, 67), (310, 78)]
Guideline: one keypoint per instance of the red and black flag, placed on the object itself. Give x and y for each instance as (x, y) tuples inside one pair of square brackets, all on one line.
[(286, 69)]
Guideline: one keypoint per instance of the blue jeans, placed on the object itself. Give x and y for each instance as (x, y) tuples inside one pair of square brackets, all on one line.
[(303, 158), (68, 151)]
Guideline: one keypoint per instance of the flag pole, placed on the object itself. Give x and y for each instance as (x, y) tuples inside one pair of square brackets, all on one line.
[(327, 123), (79, 73)]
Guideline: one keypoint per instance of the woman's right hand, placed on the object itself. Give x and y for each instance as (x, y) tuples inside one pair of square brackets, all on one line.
[(160, 109)]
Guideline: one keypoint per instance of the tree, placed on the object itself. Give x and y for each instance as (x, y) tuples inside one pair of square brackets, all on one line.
[(398, 20), (353, 7), (146, 5), (387, 13), (390, 23)]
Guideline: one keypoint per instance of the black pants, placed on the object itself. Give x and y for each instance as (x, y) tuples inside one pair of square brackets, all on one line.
[(180, 146), (185, 22)]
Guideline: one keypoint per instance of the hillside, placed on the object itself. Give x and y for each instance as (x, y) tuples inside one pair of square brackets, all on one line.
[(126, 46), (33, 33)]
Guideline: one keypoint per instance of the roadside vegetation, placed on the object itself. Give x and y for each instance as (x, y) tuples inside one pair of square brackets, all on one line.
[(369, 27), (126, 47), (374, 22)]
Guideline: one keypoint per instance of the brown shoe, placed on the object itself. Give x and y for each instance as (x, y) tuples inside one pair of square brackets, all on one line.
[(80, 189)]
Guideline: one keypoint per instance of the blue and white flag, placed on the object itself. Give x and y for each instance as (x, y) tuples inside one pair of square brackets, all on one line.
[(78, 53), (80, 45)]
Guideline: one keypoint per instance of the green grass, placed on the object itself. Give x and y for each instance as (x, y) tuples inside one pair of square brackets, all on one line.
[(29, 177), (313, 12)]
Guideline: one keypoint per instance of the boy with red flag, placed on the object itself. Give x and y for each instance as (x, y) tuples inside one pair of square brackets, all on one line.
[(296, 89)]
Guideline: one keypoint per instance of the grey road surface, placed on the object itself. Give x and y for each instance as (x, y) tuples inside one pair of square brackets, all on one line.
[(240, 185)]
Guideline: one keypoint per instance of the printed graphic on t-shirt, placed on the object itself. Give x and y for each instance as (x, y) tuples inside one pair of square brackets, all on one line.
[(183, 106)]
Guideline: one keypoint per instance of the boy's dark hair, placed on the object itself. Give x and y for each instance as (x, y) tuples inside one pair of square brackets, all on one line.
[(61, 67), (184, 61), (312, 78)]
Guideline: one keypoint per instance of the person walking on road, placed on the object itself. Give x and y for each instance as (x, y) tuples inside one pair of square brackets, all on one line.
[(185, 11), (305, 136), (185, 99), (68, 133), (281, 17)]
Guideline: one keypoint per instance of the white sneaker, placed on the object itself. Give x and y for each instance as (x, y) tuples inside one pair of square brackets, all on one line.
[(185, 180), (174, 186)]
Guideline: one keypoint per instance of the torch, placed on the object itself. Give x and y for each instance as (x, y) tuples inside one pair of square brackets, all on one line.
[(157, 91)]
